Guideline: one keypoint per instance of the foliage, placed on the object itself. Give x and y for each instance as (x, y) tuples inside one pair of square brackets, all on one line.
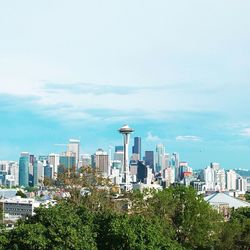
[(236, 232), (21, 194), (195, 222), (175, 218), (58, 227), (31, 189), (247, 196), (123, 231)]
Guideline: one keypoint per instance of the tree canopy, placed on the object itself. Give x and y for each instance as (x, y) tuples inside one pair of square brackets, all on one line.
[(174, 218)]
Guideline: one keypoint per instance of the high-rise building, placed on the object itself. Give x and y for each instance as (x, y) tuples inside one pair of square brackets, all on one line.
[(24, 161), (215, 177), (40, 172), (175, 163), (119, 148), (101, 162), (74, 147), (241, 184), (66, 161), (48, 171), (119, 154), (136, 149), (149, 159), (220, 180), (141, 171), (160, 158), (168, 176), (231, 180), (14, 171), (183, 167), (54, 161), (35, 173), (86, 160)]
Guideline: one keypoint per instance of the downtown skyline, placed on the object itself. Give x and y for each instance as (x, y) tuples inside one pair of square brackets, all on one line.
[(177, 73)]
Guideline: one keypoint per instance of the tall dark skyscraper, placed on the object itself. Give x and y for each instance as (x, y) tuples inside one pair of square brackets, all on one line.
[(149, 159), (137, 146), (141, 171)]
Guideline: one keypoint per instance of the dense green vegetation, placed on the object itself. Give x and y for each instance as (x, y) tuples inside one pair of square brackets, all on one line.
[(175, 218)]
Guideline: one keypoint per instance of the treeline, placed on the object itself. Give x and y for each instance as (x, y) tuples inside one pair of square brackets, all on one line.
[(175, 218)]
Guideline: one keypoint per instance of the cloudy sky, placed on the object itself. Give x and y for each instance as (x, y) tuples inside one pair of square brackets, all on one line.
[(176, 71)]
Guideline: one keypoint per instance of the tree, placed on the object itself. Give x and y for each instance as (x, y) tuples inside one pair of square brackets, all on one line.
[(236, 232), (58, 227), (21, 194), (135, 232), (196, 223)]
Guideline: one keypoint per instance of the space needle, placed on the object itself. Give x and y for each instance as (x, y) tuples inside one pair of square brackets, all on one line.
[(126, 131)]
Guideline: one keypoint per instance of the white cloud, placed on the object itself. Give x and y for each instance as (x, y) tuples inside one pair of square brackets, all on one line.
[(245, 132), (152, 138), (188, 138)]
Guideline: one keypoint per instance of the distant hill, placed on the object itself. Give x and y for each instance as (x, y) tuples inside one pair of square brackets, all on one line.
[(243, 173)]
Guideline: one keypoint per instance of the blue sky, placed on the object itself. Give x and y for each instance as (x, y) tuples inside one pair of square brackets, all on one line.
[(176, 71)]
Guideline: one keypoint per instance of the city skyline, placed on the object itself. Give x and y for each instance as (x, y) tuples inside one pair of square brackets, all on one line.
[(177, 73)]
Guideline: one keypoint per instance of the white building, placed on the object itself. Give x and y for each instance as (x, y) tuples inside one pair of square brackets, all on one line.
[(169, 176), (220, 178), (54, 161), (209, 178), (231, 180)]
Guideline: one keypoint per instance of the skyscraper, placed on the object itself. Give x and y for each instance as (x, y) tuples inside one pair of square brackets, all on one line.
[(149, 159), (54, 161), (175, 162), (231, 180), (101, 162), (136, 149), (74, 147), (160, 158), (24, 169), (35, 173), (66, 161)]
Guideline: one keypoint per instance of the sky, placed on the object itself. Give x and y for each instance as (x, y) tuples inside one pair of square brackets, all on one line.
[(178, 72)]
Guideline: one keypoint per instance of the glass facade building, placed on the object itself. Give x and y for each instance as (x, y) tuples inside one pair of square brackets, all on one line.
[(24, 161)]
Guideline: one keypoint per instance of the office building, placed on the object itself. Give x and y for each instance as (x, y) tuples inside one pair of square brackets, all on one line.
[(48, 169), (24, 161), (136, 149), (74, 147), (159, 158), (40, 172), (86, 160), (54, 161), (175, 163), (35, 173), (169, 176), (149, 159), (119, 149), (231, 180), (101, 162), (141, 172), (66, 161)]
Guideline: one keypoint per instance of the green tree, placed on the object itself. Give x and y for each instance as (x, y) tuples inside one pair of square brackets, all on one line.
[(196, 223), (58, 227), (21, 194), (236, 232), (135, 232)]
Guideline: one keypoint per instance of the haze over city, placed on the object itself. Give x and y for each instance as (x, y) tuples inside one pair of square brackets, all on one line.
[(176, 71)]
